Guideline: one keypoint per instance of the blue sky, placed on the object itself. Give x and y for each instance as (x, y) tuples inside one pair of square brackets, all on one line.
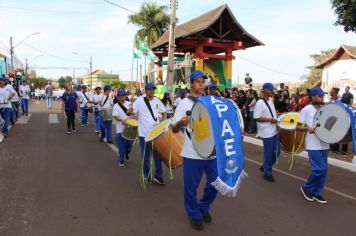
[(290, 30)]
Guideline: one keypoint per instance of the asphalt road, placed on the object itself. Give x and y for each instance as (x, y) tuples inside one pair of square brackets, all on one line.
[(55, 184)]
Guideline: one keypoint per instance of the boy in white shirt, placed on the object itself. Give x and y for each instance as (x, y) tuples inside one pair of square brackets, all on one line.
[(5, 105), (194, 165), (147, 119), (84, 100), (24, 91), (96, 99), (317, 149), (266, 117), (106, 115), (120, 113)]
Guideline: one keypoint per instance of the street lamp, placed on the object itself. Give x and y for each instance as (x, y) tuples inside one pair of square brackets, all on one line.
[(14, 46), (90, 67)]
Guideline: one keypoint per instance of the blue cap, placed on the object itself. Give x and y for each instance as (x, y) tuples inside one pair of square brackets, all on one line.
[(107, 87), (2, 78), (269, 86), (197, 74), (83, 86), (317, 91), (212, 86), (121, 93), (183, 91), (149, 86)]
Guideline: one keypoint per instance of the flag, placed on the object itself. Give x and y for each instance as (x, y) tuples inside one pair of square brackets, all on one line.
[(137, 53), (143, 46)]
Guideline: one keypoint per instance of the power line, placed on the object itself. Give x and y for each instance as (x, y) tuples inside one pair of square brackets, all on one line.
[(115, 4)]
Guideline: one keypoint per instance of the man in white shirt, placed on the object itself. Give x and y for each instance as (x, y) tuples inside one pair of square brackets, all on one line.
[(148, 109), (106, 115), (96, 99), (120, 114), (266, 117), (317, 149), (183, 93), (5, 105), (193, 164), (85, 99)]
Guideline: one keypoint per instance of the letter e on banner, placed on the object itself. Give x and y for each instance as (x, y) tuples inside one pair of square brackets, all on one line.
[(228, 147)]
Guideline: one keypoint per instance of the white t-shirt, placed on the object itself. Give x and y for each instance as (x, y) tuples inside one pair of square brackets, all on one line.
[(117, 111), (83, 98), (24, 91), (177, 101), (11, 90), (109, 103), (168, 107), (265, 129), (15, 98), (145, 120), (312, 142), (4, 97), (97, 98), (188, 150)]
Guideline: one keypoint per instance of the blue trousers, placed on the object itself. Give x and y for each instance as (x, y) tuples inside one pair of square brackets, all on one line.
[(97, 118), (106, 125), (124, 146), (5, 114), (272, 149), (24, 103), (192, 174), (146, 153), (49, 102), (319, 166), (85, 114)]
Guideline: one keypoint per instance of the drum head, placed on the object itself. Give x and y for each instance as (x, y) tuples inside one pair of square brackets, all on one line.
[(132, 122), (288, 121), (202, 131), (158, 130), (332, 122)]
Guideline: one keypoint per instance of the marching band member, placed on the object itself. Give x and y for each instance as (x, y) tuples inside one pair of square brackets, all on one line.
[(148, 108), (193, 164), (5, 105), (120, 113), (70, 105), (24, 91), (317, 149), (96, 99), (106, 115), (183, 93), (266, 117), (84, 100)]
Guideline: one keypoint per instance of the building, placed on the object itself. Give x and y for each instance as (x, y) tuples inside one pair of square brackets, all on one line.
[(339, 70), (210, 39), (99, 78)]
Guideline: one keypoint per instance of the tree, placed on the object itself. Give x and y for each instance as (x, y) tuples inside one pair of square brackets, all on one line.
[(39, 82), (117, 84), (346, 14), (315, 74), (152, 19), (63, 81)]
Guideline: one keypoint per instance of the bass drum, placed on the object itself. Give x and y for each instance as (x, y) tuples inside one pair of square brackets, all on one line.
[(201, 130), (333, 124)]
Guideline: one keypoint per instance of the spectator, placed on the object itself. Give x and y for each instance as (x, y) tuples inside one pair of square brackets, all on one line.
[(304, 100), (167, 102), (253, 124), (347, 97), (294, 105)]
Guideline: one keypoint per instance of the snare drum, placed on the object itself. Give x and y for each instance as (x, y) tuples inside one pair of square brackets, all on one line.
[(292, 140), (130, 129), (202, 130), (166, 144), (333, 124)]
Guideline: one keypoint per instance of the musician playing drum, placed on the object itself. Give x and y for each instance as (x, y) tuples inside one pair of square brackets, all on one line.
[(317, 149), (120, 114), (193, 164), (266, 117), (148, 109)]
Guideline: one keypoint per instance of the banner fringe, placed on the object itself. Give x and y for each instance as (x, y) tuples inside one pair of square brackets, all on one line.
[(226, 190)]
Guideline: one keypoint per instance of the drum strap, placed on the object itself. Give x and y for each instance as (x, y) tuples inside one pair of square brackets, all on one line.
[(106, 99), (149, 108), (86, 97), (269, 108), (194, 99), (123, 107)]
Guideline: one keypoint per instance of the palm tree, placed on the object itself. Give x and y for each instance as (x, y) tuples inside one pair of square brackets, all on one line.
[(152, 19)]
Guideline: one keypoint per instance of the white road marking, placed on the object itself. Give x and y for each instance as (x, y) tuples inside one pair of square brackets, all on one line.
[(23, 119), (53, 119), (332, 161), (303, 180)]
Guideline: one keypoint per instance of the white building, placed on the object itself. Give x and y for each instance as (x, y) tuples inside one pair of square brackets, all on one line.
[(339, 70)]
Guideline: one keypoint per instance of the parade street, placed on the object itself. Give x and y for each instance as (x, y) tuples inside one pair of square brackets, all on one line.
[(57, 184)]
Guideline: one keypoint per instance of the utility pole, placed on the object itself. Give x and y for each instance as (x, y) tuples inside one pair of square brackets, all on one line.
[(11, 55), (91, 71), (171, 47), (26, 66)]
